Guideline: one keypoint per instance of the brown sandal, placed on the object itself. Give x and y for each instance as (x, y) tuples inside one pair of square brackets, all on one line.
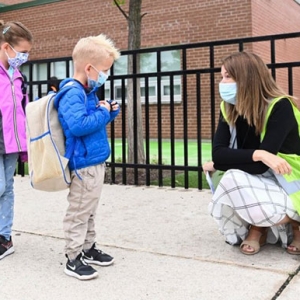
[(254, 244), (296, 245)]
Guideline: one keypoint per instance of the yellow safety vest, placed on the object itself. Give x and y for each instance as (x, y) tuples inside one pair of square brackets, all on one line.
[(290, 183)]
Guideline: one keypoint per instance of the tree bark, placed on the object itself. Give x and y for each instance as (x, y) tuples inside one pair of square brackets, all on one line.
[(134, 106), (136, 153)]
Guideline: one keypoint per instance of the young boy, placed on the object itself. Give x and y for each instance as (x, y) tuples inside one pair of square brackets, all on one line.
[(84, 118)]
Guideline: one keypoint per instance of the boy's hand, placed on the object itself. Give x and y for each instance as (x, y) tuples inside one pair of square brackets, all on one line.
[(114, 105), (105, 104)]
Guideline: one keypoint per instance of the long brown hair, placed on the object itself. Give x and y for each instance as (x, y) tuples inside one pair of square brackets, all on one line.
[(13, 33), (255, 88)]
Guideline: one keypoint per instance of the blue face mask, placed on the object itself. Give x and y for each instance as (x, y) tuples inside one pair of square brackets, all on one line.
[(228, 92), (18, 60), (102, 77)]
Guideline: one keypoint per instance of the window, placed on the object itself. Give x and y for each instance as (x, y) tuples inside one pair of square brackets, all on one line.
[(40, 73), (170, 61), (151, 91)]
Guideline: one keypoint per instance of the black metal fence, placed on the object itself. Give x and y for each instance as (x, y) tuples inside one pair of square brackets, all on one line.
[(193, 83)]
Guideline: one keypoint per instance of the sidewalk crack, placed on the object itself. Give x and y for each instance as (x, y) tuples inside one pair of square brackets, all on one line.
[(286, 283)]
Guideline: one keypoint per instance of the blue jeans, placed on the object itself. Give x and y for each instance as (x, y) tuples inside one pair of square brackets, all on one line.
[(7, 169)]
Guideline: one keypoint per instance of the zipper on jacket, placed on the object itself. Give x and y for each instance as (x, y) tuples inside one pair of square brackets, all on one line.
[(15, 115)]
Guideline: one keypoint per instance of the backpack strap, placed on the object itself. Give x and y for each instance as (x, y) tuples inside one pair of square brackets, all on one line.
[(24, 90), (24, 84)]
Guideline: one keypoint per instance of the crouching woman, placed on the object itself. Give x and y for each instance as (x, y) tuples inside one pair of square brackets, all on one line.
[(258, 197)]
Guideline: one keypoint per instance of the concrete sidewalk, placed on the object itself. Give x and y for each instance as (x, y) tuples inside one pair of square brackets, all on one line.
[(165, 245)]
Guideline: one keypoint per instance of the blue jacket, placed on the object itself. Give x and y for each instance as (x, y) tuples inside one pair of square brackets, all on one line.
[(84, 124)]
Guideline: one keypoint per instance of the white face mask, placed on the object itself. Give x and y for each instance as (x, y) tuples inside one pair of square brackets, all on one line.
[(18, 60), (228, 92)]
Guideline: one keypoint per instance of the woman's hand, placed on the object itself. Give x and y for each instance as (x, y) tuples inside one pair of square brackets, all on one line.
[(276, 163), (208, 167)]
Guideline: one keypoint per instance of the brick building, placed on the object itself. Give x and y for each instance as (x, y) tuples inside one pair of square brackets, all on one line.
[(57, 26)]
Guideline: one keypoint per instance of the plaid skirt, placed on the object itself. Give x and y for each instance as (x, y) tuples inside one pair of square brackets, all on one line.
[(242, 199)]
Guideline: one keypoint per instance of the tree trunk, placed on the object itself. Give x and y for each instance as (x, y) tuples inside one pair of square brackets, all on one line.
[(136, 153), (135, 137)]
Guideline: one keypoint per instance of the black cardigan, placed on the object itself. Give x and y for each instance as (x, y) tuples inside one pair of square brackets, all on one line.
[(281, 136)]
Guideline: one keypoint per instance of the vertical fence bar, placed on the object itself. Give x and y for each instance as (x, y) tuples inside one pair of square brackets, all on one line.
[(290, 81), (30, 79), (67, 68), (199, 129), (185, 119), (172, 131), (147, 131), (48, 73), (112, 127), (124, 148), (241, 46), (135, 117), (159, 126), (212, 91), (273, 58)]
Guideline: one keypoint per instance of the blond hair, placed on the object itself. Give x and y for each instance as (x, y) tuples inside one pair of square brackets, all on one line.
[(94, 49), (14, 32), (255, 88)]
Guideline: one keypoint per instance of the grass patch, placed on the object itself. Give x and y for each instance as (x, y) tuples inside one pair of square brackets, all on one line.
[(190, 154), (180, 180), (18, 168)]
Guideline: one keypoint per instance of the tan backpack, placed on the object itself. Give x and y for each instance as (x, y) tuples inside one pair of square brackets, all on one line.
[(47, 160)]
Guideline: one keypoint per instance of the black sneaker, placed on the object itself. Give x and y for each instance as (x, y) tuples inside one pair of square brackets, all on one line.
[(6, 247), (79, 269), (97, 257)]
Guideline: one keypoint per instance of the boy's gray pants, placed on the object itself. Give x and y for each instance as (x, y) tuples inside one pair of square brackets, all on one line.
[(83, 198)]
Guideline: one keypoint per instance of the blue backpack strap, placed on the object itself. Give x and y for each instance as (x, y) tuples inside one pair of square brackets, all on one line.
[(70, 151)]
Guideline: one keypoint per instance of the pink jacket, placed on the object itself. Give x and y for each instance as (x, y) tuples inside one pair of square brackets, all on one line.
[(12, 114)]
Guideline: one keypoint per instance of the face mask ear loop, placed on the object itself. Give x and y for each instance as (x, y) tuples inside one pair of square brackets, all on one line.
[(13, 49)]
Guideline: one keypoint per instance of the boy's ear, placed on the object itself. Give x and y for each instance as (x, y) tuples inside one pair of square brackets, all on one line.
[(88, 68)]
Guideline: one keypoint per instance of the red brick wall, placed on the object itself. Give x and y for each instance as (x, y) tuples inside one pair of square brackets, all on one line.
[(276, 17), (58, 26)]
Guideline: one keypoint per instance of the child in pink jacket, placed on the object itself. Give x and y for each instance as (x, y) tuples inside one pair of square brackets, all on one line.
[(15, 44)]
